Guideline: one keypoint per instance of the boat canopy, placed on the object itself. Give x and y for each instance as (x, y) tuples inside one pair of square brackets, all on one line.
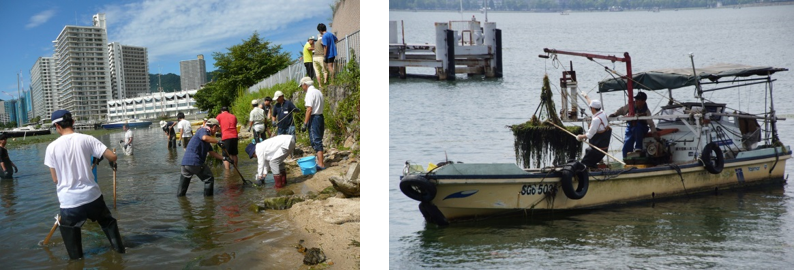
[(681, 77)]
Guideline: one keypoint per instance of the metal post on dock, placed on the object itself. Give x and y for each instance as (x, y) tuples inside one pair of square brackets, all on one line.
[(441, 49), (450, 68), (490, 41), (498, 53)]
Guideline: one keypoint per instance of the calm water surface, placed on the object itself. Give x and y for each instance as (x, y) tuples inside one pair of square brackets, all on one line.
[(159, 229), (466, 119)]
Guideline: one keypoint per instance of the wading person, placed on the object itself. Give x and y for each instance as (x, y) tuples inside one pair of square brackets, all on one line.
[(228, 124), (168, 128), (598, 134), (127, 142), (636, 130), (5, 160), (183, 126), (80, 198), (314, 120), (193, 162), (256, 121), (282, 115), (270, 156)]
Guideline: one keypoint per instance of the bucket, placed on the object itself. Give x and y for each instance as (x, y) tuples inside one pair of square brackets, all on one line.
[(308, 165)]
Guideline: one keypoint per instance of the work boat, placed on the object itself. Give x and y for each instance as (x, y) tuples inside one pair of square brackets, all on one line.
[(703, 146)]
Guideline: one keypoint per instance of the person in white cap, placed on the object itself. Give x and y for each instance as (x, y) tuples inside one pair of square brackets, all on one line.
[(314, 120), (598, 134), (282, 114), (256, 120), (307, 57)]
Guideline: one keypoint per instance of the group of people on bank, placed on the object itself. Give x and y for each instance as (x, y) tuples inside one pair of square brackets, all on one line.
[(319, 54)]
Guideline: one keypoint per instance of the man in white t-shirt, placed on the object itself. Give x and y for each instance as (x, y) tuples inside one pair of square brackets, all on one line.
[(127, 142), (270, 155), (80, 197), (314, 120), (184, 127), (256, 120)]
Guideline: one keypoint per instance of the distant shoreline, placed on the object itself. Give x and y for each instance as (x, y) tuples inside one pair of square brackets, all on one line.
[(787, 3)]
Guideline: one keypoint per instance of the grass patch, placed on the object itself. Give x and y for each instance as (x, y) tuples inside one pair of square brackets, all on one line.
[(19, 142)]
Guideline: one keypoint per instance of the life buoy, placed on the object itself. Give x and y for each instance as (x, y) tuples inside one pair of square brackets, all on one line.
[(570, 171), (432, 214), (418, 188), (712, 162)]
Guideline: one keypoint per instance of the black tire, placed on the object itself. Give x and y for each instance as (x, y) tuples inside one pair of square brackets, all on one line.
[(418, 188), (712, 158), (432, 214), (574, 170)]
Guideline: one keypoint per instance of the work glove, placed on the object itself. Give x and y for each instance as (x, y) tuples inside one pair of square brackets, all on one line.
[(220, 144), (227, 159), (113, 165), (304, 127), (249, 129)]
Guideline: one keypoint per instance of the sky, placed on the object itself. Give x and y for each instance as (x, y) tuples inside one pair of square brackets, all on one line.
[(171, 30)]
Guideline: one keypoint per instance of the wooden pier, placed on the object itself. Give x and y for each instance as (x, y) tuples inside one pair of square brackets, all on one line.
[(461, 47)]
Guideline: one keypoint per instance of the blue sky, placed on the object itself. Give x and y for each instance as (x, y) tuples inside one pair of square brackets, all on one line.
[(172, 30)]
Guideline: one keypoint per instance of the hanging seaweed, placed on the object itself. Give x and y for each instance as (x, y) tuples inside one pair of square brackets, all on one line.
[(540, 143)]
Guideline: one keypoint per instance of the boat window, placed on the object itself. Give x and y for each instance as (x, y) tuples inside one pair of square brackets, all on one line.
[(671, 111)]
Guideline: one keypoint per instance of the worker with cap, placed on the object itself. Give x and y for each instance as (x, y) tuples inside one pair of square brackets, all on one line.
[(168, 128), (314, 120), (270, 156), (307, 56), (282, 114), (80, 198), (598, 134), (256, 120), (636, 129), (184, 127), (198, 148)]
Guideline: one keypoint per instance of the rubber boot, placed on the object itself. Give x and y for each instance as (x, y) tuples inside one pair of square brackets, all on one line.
[(73, 241), (208, 187), (283, 178), (184, 182), (112, 232), (279, 184)]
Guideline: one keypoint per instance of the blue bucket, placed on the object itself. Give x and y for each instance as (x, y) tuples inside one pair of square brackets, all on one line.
[(308, 165)]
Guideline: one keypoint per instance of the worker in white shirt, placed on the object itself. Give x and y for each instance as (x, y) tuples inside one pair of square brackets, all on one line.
[(598, 134), (270, 155)]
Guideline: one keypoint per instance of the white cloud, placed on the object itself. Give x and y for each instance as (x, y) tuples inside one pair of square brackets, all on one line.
[(190, 27), (40, 18)]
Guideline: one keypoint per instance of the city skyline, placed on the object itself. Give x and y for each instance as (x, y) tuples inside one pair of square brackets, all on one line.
[(172, 31)]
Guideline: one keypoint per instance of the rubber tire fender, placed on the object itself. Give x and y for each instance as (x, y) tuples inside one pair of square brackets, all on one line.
[(570, 171), (432, 214), (718, 163), (418, 188)]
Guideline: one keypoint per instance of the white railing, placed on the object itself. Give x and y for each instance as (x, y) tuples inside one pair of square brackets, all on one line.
[(297, 70)]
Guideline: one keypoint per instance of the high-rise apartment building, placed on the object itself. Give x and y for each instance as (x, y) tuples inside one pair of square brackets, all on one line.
[(129, 71), (193, 73), (43, 87), (82, 69)]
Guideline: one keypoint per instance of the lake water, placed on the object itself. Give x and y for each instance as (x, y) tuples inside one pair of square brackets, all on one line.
[(465, 120), (159, 229)]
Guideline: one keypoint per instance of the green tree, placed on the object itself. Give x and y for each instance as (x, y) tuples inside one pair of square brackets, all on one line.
[(241, 67)]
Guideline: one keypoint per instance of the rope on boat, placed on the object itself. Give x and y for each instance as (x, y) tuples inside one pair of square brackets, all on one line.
[(678, 170)]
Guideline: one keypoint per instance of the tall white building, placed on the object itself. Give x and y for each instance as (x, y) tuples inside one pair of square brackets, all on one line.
[(193, 73), (43, 87), (82, 69), (129, 71)]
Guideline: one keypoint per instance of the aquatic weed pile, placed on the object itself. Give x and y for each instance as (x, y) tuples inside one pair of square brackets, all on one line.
[(540, 143)]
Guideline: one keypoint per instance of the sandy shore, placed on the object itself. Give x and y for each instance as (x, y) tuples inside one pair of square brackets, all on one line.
[(331, 224)]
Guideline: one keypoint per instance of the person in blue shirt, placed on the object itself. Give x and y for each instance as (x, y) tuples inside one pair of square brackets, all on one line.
[(282, 115), (329, 44), (196, 152)]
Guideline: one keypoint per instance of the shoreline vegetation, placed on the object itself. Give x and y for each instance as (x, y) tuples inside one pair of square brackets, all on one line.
[(19, 142), (553, 7)]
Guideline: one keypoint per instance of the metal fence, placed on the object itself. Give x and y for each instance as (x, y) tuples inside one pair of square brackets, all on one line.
[(297, 70)]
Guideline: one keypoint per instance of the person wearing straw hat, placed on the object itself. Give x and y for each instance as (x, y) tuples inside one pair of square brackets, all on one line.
[(270, 156), (314, 120), (307, 57), (282, 114), (79, 196), (256, 121), (599, 134)]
